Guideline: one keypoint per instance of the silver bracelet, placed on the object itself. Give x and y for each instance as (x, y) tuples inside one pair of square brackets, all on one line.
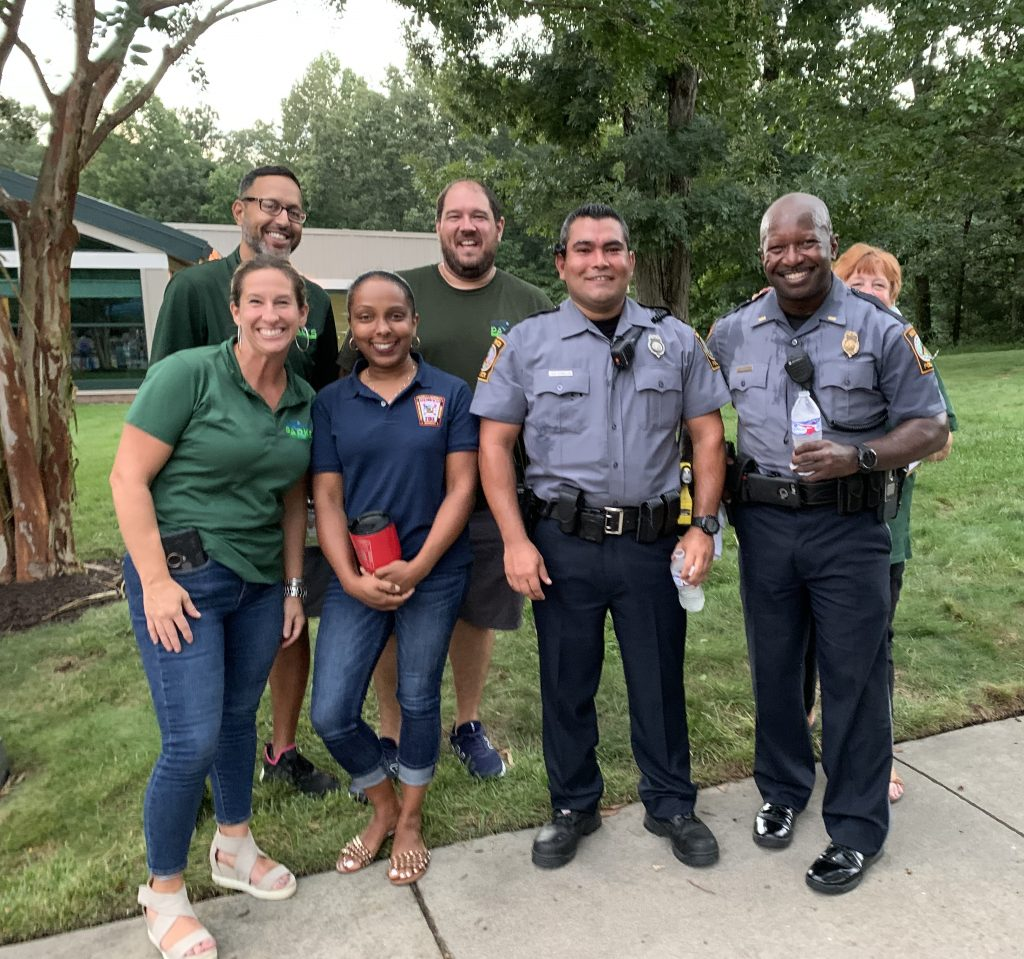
[(296, 587)]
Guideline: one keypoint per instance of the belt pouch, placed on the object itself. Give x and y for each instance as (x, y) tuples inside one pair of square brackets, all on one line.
[(183, 551), (567, 509), (651, 520), (851, 495), (771, 489), (592, 525)]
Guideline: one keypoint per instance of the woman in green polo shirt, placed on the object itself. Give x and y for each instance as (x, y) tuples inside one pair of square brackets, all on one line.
[(209, 489)]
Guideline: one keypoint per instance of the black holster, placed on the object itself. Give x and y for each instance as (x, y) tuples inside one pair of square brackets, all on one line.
[(568, 508)]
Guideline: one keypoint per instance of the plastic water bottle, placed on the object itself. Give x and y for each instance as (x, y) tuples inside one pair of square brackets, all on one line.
[(691, 598), (805, 420)]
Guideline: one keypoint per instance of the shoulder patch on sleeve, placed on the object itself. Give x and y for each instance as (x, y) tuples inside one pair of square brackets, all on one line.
[(491, 359), (923, 357), (712, 362)]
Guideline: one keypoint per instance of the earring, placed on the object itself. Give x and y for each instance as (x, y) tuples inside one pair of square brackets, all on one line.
[(302, 339), (351, 344), (416, 342), (238, 335)]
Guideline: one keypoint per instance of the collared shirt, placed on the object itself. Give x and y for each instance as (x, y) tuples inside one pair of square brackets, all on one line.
[(233, 457), (196, 312), (868, 365), (392, 457), (612, 433)]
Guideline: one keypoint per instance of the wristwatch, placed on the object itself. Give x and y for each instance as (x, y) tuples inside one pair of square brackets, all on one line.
[(709, 524), (296, 587), (866, 459)]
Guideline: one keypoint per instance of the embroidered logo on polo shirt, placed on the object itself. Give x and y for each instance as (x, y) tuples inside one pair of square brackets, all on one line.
[(429, 409), (298, 430), (497, 329), (490, 359)]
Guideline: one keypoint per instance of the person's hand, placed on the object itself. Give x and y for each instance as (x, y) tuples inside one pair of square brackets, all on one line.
[(700, 551), (525, 570), (939, 455), (375, 592), (399, 573), (294, 620), (167, 606), (824, 460)]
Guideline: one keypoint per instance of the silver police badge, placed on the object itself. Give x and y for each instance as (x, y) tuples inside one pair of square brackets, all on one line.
[(655, 345)]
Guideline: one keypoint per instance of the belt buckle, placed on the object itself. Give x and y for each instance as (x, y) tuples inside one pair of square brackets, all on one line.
[(612, 513)]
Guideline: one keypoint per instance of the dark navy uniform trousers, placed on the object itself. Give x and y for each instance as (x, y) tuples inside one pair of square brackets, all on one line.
[(632, 581), (795, 566)]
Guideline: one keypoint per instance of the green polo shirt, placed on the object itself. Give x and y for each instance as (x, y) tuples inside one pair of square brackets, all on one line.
[(196, 312), (233, 457), (899, 526)]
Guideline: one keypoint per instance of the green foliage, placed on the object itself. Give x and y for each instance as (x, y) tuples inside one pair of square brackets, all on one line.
[(20, 128), (79, 727), (157, 163)]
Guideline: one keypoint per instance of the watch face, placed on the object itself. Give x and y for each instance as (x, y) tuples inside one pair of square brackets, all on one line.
[(709, 524), (866, 458)]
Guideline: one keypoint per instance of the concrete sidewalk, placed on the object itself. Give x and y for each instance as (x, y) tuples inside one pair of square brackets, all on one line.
[(951, 884)]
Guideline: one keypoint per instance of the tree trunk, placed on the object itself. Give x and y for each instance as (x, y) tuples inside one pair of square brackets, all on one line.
[(22, 495), (663, 277), (922, 305), (961, 275), (35, 369)]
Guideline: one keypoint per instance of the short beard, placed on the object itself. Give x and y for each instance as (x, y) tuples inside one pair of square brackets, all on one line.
[(464, 272), (254, 241)]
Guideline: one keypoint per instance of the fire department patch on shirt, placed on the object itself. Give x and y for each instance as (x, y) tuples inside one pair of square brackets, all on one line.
[(491, 359), (923, 357), (429, 409)]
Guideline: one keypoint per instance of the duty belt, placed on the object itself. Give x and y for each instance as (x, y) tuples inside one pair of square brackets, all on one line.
[(879, 491), (648, 522)]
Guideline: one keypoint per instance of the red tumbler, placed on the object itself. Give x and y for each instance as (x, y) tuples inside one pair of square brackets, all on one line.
[(375, 540)]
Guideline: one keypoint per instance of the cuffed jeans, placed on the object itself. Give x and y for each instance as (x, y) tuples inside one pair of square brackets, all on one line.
[(205, 699), (349, 643)]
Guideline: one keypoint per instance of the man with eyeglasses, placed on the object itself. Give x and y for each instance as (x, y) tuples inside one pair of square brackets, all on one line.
[(195, 312)]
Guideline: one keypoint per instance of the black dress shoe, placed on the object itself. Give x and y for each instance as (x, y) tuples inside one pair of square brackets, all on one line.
[(838, 869), (773, 825), (556, 842), (693, 844)]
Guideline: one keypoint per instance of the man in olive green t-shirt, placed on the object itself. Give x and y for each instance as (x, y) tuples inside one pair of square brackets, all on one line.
[(464, 302), (194, 312)]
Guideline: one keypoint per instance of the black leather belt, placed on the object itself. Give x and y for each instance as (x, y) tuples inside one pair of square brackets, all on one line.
[(615, 520), (780, 491)]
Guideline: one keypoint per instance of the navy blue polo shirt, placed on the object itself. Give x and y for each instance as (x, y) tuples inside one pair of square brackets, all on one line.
[(392, 458)]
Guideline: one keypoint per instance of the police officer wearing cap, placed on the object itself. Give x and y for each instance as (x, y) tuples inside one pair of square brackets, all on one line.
[(599, 388), (810, 522)]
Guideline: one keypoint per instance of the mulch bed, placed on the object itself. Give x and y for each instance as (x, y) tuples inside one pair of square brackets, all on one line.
[(24, 605)]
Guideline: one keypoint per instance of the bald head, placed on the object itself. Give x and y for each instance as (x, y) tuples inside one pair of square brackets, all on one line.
[(795, 206), (797, 249)]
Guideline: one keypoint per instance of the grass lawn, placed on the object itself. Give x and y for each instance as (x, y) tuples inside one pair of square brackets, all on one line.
[(76, 717)]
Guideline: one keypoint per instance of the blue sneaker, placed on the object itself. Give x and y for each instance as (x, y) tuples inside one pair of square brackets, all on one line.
[(470, 743)]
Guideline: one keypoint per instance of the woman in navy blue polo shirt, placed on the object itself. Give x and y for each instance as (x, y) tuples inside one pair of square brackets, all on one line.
[(395, 436)]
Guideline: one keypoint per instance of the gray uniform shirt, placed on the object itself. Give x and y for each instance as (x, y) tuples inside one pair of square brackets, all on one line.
[(611, 433), (867, 363)]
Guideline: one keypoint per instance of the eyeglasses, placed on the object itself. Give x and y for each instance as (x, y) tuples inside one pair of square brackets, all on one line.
[(272, 208)]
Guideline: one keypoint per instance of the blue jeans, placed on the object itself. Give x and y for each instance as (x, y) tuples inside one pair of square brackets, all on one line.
[(348, 646), (205, 699)]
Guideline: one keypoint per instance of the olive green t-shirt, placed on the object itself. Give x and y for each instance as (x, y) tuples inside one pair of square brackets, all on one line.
[(457, 326), (233, 457), (195, 312)]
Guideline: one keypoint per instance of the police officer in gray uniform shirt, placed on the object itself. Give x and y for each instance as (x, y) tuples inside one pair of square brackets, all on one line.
[(599, 388), (810, 524)]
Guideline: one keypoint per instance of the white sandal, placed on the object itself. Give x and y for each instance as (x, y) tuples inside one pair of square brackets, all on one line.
[(236, 877), (165, 909)]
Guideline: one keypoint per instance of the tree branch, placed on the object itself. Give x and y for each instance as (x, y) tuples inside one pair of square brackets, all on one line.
[(171, 54), (11, 19), (34, 63)]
